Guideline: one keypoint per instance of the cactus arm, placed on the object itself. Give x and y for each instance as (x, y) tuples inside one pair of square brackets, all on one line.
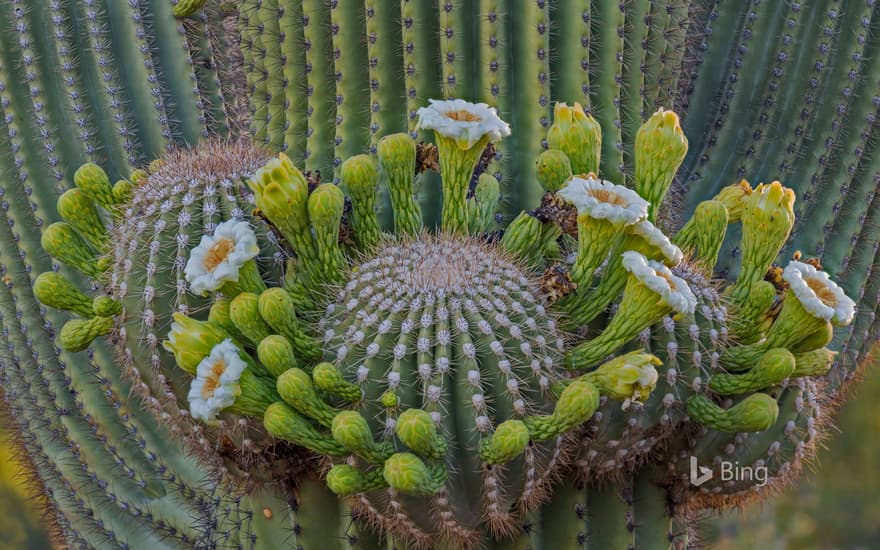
[(573, 34), (385, 75), (269, 16), (527, 113), (319, 82), (843, 81), (293, 68), (610, 36), (205, 60), (635, 54), (255, 67), (136, 65), (673, 53), (350, 64)]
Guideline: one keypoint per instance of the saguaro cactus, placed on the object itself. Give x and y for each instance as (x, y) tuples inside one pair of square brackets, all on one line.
[(260, 291)]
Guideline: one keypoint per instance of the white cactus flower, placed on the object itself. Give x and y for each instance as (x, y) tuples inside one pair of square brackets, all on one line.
[(603, 200), (655, 238), (820, 296), (216, 385), (465, 122), (673, 290), (219, 257)]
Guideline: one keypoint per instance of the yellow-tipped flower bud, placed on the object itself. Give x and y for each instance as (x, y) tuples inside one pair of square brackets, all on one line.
[(554, 169), (191, 341), (578, 135), (767, 220), (735, 197), (660, 148)]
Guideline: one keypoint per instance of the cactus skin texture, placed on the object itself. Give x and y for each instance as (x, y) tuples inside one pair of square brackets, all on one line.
[(97, 231)]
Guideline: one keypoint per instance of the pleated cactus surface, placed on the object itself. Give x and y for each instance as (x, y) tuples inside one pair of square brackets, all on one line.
[(465, 274)]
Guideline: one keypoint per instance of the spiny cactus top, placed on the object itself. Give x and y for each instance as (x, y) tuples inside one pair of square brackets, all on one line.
[(446, 377)]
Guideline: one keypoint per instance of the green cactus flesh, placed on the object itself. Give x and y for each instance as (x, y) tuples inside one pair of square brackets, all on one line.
[(261, 292)]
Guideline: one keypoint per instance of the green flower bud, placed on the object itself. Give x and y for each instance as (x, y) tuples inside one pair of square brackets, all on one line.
[(814, 363), (397, 156), (554, 169), (78, 334), (360, 175), (345, 480), (510, 440), (138, 176), (296, 388), (774, 366), (244, 312), (482, 206), (660, 149), (276, 354), (94, 182), (578, 135), (631, 377), (416, 429), (123, 191), (326, 204), (277, 307), (734, 198), (191, 341), (79, 210), (578, 402), (283, 422), (407, 473), (64, 244), (104, 306), (755, 413), (522, 237), (389, 399), (702, 236), (186, 8), (350, 429), (328, 378), (53, 290)]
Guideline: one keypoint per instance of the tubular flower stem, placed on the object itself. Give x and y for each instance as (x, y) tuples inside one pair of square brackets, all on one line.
[(755, 413), (767, 220), (326, 204), (703, 235), (345, 480), (643, 237), (360, 175), (603, 210), (462, 131), (651, 292), (283, 422)]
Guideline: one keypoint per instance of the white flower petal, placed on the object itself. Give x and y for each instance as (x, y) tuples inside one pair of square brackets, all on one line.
[(819, 295), (657, 277), (463, 121), (604, 200), (652, 235), (215, 386), (218, 258)]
